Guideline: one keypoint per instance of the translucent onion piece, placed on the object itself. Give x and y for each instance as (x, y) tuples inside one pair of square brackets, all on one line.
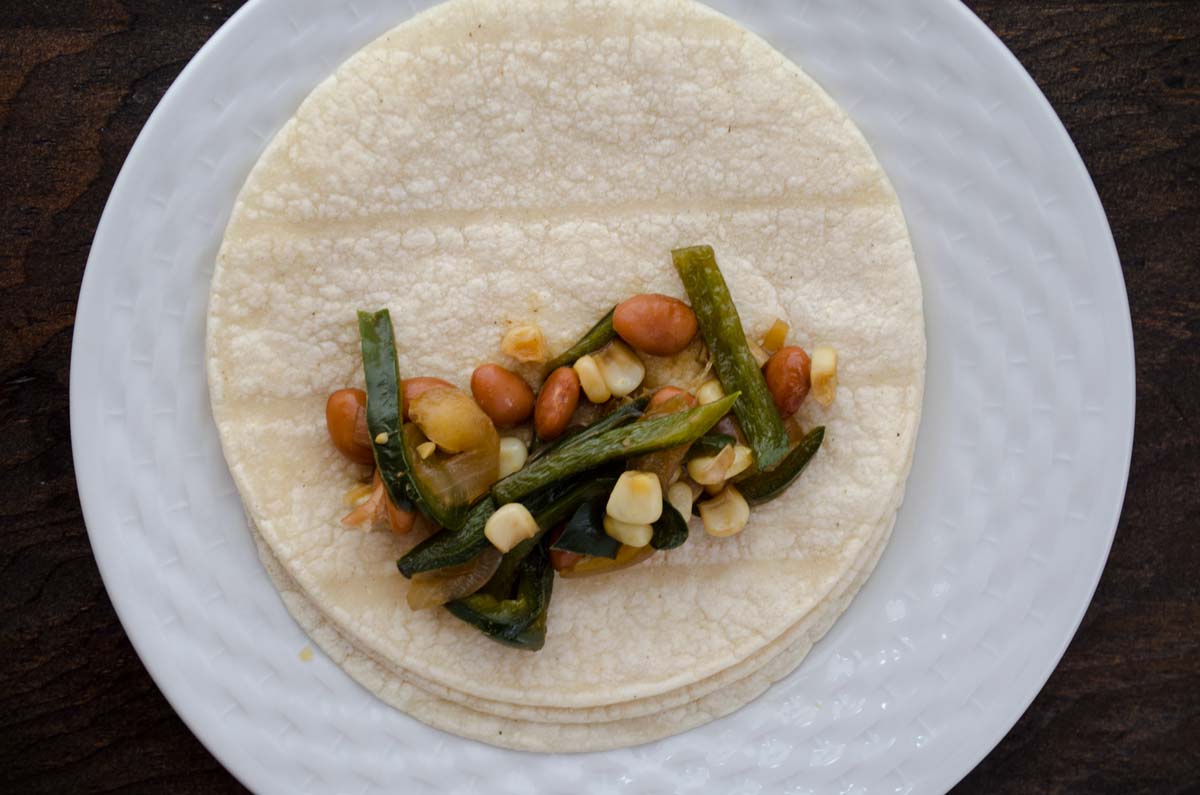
[(452, 419), (458, 479), (436, 588), (371, 510), (590, 566), (794, 430)]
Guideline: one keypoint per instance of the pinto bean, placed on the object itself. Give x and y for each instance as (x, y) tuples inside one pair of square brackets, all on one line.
[(502, 394), (787, 374), (346, 420), (668, 393), (556, 403), (655, 324)]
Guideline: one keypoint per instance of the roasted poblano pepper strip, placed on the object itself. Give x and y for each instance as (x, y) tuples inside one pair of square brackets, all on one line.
[(450, 547), (622, 416), (533, 637), (384, 401), (549, 506), (734, 364), (385, 407), (596, 338), (765, 486), (710, 444), (578, 455), (671, 529), (584, 532), (554, 504), (517, 620)]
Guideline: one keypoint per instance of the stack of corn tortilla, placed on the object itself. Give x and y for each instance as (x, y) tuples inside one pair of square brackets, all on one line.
[(490, 163)]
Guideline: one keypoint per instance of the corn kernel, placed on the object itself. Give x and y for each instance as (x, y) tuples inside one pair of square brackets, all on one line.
[(743, 458), (710, 392), (510, 525), (681, 498), (525, 343), (636, 499), (592, 380), (824, 374), (776, 336), (623, 371), (710, 470), (513, 454), (726, 514), (426, 449), (631, 535)]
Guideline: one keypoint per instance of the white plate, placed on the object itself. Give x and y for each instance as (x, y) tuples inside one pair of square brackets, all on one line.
[(1019, 475)]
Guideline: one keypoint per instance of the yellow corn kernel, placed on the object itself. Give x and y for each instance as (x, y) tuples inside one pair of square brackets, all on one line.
[(513, 454), (681, 498), (623, 371), (426, 449), (726, 514), (743, 458), (710, 392), (525, 343), (592, 380), (776, 336), (636, 499), (824, 374), (510, 525), (629, 534), (708, 470)]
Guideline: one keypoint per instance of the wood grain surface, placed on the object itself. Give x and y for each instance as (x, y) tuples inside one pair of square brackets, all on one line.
[(78, 712)]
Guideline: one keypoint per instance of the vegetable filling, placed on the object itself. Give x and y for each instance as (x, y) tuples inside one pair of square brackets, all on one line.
[(595, 472)]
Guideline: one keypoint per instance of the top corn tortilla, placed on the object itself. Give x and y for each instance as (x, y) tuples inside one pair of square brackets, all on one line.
[(492, 163)]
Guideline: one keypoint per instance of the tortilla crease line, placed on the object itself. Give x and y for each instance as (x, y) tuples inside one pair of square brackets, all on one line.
[(249, 350)]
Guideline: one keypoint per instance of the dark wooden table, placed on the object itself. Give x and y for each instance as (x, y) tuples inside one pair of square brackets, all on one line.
[(78, 713)]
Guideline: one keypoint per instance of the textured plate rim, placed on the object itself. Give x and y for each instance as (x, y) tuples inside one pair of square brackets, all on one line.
[(971, 761), (88, 482), (90, 493)]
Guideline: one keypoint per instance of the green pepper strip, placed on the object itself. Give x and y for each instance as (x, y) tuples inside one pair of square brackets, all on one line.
[(519, 622), (385, 407), (671, 529), (596, 338), (622, 416), (558, 505), (533, 637), (735, 365), (450, 547), (549, 506), (765, 486), (578, 455), (584, 532), (710, 444)]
